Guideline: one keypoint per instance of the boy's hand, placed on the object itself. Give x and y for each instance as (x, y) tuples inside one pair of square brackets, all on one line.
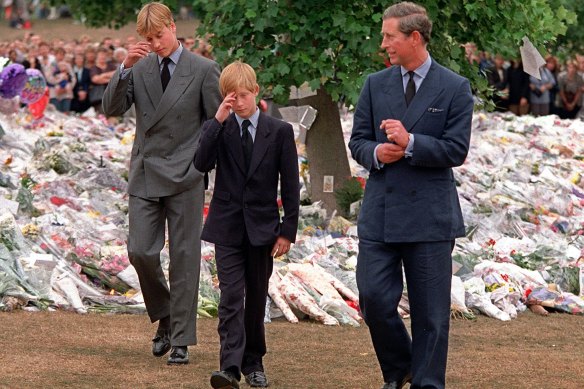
[(136, 53), (225, 108), (281, 247)]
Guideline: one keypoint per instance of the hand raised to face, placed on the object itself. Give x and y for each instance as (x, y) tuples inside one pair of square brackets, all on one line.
[(136, 52)]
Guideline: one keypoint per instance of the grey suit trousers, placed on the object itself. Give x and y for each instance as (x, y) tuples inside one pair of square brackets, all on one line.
[(178, 298)]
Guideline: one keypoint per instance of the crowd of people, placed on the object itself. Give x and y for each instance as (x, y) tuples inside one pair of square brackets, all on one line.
[(78, 70), (560, 91)]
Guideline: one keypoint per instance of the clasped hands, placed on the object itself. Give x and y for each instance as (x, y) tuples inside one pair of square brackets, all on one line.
[(399, 138)]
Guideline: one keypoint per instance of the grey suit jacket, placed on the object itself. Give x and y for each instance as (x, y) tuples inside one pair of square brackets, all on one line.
[(413, 199), (167, 125)]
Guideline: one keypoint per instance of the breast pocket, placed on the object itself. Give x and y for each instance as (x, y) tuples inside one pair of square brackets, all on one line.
[(432, 123)]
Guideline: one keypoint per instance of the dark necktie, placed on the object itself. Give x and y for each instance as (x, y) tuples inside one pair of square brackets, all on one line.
[(165, 75), (410, 88), (246, 142)]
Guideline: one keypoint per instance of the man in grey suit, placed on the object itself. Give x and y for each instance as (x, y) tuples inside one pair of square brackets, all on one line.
[(173, 91), (412, 125)]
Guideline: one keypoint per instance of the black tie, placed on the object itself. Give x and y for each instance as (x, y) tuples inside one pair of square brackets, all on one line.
[(165, 75), (246, 142), (410, 88)]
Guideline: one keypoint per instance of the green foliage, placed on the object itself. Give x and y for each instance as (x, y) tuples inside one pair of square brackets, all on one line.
[(350, 192), (333, 45), (292, 42), (111, 13)]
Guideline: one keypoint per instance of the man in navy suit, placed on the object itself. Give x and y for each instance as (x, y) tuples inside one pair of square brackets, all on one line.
[(251, 152), (412, 125)]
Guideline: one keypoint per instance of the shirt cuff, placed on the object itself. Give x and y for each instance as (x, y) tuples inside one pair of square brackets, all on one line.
[(376, 164), (410, 147), (124, 72)]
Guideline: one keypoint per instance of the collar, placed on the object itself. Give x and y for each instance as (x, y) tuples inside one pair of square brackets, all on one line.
[(422, 70), (253, 118), (174, 56)]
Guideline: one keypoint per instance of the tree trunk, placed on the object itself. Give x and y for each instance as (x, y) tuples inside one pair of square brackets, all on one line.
[(325, 149)]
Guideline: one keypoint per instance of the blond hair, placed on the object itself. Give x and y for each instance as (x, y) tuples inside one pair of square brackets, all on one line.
[(237, 75), (152, 18)]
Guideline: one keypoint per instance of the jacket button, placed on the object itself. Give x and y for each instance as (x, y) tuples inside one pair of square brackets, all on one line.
[(245, 205)]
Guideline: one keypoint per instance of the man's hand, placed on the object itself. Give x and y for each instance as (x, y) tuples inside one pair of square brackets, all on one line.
[(225, 108), (389, 152), (395, 132), (136, 53), (281, 247)]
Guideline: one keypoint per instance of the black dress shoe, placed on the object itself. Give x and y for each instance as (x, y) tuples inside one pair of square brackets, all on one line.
[(224, 380), (257, 379), (161, 343), (398, 384), (179, 355)]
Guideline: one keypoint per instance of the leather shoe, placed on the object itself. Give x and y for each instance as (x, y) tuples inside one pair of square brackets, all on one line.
[(257, 379), (161, 343), (179, 355), (224, 380), (398, 384)]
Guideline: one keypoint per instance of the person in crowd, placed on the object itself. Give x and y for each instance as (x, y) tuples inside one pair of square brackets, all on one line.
[(63, 81), (46, 59), (173, 91), (100, 75), (119, 55), (570, 85), (518, 82), (251, 152), (412, 125), (80, 102), (497, 78), (552, 65), (539, 97), (203, 48), (90, 56)]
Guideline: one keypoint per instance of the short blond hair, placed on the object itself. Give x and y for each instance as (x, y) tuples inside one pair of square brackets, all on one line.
[(237, 75), (152, 18)]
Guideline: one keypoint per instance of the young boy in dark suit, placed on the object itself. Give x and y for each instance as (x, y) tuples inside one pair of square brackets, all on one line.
[(251, 152)]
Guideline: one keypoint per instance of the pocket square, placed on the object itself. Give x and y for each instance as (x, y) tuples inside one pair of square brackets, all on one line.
[(432, 109)]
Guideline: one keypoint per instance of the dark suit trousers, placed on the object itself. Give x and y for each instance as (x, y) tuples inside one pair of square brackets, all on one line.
[(244, 272), (428, 270), (147, 221)]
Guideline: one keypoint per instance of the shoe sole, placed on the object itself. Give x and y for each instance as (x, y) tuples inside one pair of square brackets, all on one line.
[(218, 382), (178, 362), (162, 353)]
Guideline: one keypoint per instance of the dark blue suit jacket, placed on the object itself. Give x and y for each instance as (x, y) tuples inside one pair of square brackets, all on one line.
[(413, 199), (247, 201)]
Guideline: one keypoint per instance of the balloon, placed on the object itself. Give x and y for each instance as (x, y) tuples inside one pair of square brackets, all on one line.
[(9, 106), (34, 88), (12, 80), (37, 109)]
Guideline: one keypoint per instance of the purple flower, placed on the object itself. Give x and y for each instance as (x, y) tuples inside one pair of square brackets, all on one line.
[(12, 79)]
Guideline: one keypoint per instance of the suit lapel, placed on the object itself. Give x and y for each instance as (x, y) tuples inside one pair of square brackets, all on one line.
[(181, 78), (233, 142), (393, 88), (260, 145), (151, 76), (424, 97)]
